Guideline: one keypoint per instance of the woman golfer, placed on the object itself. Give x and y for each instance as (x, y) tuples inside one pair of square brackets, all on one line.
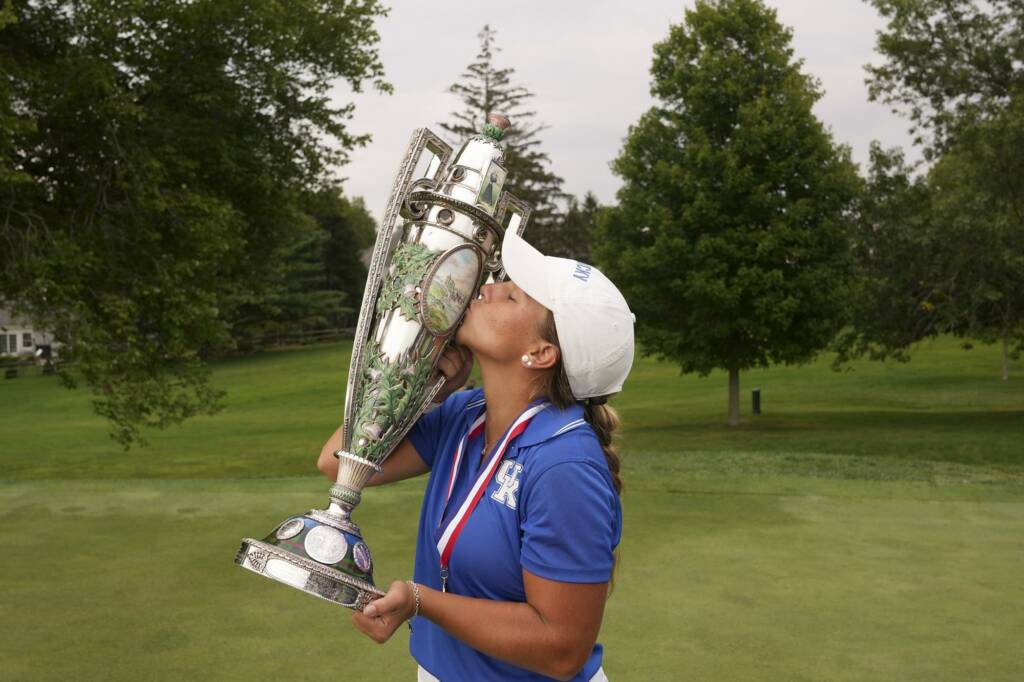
[(521, 515)]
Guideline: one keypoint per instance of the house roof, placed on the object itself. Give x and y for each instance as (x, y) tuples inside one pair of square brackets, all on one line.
[(8, 320)]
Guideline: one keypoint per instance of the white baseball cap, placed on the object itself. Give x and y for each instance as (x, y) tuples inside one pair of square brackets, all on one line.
[(593, 321)]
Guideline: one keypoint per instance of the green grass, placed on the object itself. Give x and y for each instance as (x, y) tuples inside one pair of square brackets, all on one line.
[(868, 526), (128, 580), (281, 407), (946, 405)]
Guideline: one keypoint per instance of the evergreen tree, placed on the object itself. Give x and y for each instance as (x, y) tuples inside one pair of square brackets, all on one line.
[(730, 238), (351, 232), (573, 238), (302, 302), (483, 89), (322, 272)]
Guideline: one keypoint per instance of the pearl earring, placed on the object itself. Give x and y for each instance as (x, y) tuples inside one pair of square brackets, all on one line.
[(527, 361)]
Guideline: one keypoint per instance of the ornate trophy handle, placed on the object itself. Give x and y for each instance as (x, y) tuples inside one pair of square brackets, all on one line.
[(518, 217)]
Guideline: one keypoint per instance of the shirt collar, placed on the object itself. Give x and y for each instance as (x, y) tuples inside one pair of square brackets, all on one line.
[(546, 424), (551, 422)]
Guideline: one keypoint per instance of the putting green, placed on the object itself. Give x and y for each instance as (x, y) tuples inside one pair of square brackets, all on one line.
[(721, 577)]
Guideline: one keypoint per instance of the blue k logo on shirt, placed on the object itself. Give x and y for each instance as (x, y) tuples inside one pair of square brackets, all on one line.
[(508, 477)]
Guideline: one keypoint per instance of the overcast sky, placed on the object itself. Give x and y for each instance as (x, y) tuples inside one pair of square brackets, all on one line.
[(588, 65)]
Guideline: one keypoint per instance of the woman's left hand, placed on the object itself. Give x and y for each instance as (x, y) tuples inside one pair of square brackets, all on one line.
[(383, 616)]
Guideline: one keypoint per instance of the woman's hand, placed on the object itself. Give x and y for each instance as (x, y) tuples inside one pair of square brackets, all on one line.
[(456, 363), (383, 616)]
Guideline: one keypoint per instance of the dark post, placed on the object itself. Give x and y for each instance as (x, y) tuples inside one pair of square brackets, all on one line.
[(756, 400)]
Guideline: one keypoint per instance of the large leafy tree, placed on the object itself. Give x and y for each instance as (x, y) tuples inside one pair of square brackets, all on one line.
[(730, 237), (978, 210), (891, 297), (154, 160), (954, 68), (484, 88), (948, 63), (937, 253)]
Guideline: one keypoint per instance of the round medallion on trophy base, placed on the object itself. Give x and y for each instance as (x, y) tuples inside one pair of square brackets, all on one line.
[(319, 553)]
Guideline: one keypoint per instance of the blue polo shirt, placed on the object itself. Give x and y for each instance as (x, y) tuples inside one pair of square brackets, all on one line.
[(551, 508)]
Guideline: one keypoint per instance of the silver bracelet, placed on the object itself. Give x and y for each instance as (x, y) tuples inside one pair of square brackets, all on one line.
[(416, 594)]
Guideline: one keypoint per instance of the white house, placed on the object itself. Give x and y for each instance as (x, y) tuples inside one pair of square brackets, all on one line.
[(18, 336)]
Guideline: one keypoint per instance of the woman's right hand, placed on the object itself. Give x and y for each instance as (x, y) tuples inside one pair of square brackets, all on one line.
[(455, 364)]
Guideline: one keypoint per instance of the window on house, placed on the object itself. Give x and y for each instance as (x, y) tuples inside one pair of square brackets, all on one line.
[(12, 343), (3, 343), (26, 340)]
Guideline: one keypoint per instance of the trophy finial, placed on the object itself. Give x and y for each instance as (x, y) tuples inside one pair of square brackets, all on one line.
[(496, 126)]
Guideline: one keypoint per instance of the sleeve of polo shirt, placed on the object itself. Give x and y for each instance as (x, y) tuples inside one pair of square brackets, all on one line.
[(426, 434), (571, 524)]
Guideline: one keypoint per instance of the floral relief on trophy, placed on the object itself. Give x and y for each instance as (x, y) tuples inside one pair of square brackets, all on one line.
[(448, 287), (400, 288), (387, 394)]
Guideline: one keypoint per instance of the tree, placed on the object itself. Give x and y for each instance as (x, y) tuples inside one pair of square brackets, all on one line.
[(351, 230), (953, 67), (977, 210), (574, 234), (730, 237), (483, 89), (936, 254), (948, 63), (11, 124), (159, 155), (890, 299), (321, 270)]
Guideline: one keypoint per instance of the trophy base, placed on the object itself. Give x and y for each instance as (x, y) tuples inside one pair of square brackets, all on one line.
[(320, 553)]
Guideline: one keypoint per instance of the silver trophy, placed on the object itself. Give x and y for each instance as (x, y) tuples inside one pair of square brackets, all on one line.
[(438, 244)]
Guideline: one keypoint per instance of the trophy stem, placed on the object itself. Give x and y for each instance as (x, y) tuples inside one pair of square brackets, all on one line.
[(353, 473), (343, 510), (343, 500)]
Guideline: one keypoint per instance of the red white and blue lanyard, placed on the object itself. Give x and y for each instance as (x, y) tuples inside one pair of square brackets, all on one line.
[(446, 544)]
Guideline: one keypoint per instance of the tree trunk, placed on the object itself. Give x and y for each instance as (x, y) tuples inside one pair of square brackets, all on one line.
[(1006, 354), (734, 397)]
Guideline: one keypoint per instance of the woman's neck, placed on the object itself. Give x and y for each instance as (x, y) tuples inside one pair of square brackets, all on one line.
[(508, 393)]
